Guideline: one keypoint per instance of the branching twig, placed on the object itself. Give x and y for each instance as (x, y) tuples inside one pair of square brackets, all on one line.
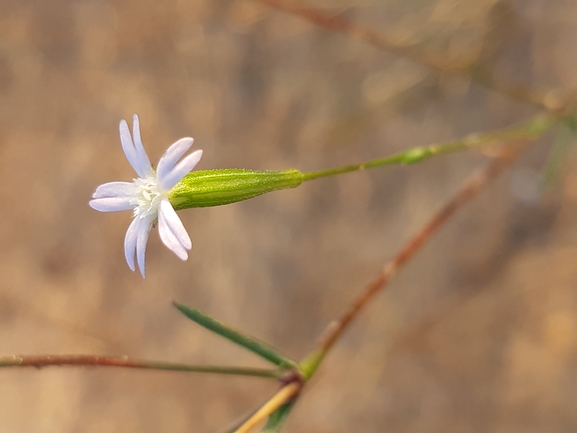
[(335, 330), (470, 189)]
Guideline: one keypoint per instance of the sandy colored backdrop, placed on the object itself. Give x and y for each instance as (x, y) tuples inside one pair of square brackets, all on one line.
[(479, 333)]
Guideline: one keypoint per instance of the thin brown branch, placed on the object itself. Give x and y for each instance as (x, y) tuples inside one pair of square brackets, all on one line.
[(40, 361), (434, 61), (467, 192)]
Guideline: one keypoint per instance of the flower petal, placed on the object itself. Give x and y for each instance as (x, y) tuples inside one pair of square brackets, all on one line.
[(142, 157), (130, 243), (174, 223), (172, 232), (170, 241), (128, 145), (172, 155), (115, 189), (144, 226), (111, 204), (135, 154), (179, 171)]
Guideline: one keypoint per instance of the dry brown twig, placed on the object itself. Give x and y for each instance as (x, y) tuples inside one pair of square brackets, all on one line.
[(40, 361), (470, 189)]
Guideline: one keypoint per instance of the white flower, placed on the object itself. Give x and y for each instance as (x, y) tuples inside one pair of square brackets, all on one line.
[(147, 195)]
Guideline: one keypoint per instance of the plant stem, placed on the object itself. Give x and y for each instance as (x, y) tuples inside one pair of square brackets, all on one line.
[(527, 130), (283, 396), (40, 361), (470, 190)]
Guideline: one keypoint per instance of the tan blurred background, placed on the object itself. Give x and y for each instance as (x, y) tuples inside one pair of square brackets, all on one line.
[(478, 334)]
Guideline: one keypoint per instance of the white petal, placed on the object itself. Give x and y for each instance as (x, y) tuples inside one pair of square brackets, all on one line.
[(130, 243), (142, 157), (174, 223), (180, 170), (115, 189), (128, 146), (111, 204), (144, 227), (172, 155), (172, 232), (170, 241)]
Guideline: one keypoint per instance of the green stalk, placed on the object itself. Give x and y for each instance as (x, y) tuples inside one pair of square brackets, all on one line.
[(530, 129), (206, 188)]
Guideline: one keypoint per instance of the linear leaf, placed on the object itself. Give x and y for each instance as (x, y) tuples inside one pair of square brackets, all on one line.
[(247, 341)]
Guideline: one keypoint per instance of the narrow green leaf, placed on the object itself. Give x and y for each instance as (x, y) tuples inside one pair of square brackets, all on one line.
[(277, 419), (251, 343)]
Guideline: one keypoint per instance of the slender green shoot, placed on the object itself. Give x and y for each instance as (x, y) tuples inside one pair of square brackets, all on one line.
[(527, 130)]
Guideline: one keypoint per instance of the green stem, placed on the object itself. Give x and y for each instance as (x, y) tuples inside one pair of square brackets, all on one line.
[(530, 129), (524, 131), (206, 188)]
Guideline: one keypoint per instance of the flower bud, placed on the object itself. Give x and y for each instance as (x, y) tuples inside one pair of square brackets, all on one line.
[(205, 188)]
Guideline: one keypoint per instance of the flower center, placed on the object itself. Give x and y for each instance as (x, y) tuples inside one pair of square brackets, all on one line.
[(148, 196)]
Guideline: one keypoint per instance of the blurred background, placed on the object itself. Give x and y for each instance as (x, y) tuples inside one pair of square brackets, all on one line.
[(479, 332)]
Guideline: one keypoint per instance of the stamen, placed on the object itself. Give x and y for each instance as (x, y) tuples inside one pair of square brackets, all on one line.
[(148, 197)]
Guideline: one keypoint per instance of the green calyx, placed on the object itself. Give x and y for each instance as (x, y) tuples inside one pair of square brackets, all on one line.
[(218, 187)]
